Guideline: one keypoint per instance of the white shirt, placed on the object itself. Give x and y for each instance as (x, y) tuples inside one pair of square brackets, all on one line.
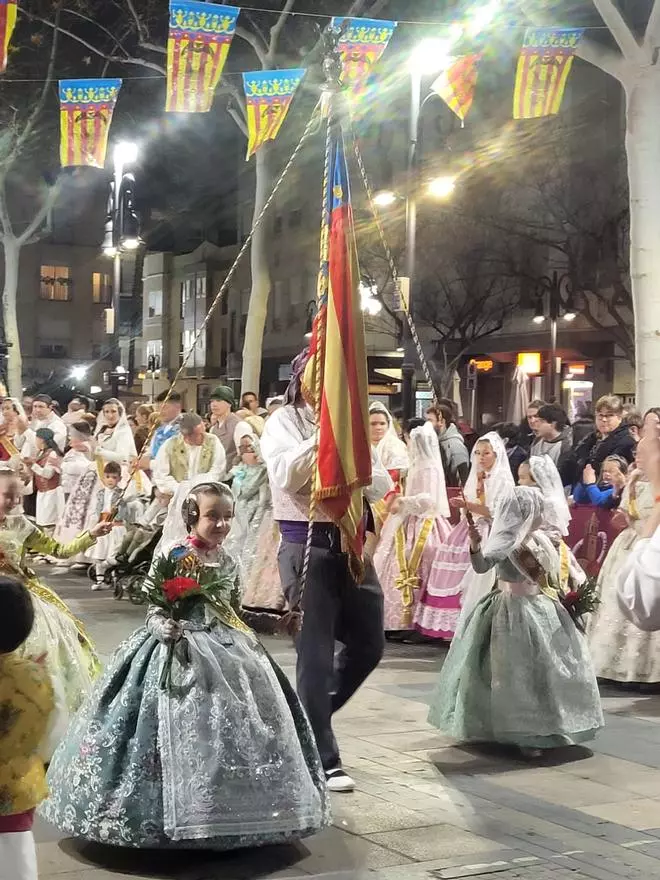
[(638, 585), (56, 425), (162, 476), (288, 448)]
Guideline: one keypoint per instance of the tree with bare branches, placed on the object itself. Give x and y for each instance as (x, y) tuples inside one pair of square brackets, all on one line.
[(632, 56)]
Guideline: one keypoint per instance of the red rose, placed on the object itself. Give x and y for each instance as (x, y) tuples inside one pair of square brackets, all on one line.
[(571, 597), (179, 587)]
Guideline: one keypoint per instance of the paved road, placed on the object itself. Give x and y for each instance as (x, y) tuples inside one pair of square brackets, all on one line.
[(425, 809)]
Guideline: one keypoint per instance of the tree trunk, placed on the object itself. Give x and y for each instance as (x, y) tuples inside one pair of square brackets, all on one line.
[(643, 151), (12, 254), (260, 289)]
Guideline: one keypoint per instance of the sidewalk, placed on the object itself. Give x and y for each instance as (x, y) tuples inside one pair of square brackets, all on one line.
[(426, 809)]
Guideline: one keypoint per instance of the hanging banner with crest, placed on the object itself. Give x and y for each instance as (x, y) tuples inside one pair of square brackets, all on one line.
[(86, 108), (544, 64), (197, 48), (361, 44), (268, 96)]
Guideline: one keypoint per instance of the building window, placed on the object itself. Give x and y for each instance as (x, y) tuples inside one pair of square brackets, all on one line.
[(53, 350), (55, 283), (101, 288), (187, 288), (155, 302)]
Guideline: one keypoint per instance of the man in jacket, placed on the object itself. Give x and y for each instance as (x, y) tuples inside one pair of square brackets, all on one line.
[(554, 438), (453, 451)]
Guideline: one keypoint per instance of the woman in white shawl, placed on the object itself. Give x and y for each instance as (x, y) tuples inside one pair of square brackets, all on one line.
[(489, 479), (391, 451), (519, 670), (414, 531), (114, 442)]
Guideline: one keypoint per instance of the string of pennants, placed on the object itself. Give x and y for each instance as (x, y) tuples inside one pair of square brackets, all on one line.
[(199, 40)]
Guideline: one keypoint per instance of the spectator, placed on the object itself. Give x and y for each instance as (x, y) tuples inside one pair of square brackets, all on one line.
[(77, 406), (554, 438), (455, 456), (469, 434), (250, 401), (528, 426), (583, 424), (515, 453), (607, 491), (611, 436), (223, 420), (635, 422)]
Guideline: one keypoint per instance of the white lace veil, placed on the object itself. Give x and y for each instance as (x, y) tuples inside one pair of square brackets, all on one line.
[(517, 520), (123, 418), (426, 476), (391, 449), (546, 476), (499, 480), (18, 407)]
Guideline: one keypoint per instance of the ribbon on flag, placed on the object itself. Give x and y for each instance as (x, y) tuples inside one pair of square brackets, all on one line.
[(338, 366), (197, 48), (86, 108), (8, 13), (544, 64), (268, 96), (361, 44), (457, 83)]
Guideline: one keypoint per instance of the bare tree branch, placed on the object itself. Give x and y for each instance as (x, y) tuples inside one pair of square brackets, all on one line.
[(276, 30), (255, 42), (34, 232), (5, 219), (619, 29), (142, 30), (652, 35)]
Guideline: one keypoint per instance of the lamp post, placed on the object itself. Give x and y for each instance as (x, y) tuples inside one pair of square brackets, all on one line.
[(122, 235), (560, 304)]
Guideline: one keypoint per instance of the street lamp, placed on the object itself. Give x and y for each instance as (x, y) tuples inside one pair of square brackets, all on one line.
[(369, 302), (442, 187), (429, 57), (561, 304), (78, 373), (122, 234), (385, 198)]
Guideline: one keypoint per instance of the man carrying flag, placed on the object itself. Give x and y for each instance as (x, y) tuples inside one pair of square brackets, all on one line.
[(342, 599)]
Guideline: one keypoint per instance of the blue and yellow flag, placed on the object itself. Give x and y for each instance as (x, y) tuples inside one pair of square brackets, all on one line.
[(361, 44), (86, 108), (8, 13), (268, 95), (544, 64), (197, 48)]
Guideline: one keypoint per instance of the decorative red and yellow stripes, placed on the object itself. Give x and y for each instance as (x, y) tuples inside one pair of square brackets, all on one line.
[(8, 13), (338, 353), (544, 65), (456, 84), (86, 108), (199, 39)]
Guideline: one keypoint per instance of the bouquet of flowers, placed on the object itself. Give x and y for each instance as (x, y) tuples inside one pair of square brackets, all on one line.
[(580, 600), (171, 585)]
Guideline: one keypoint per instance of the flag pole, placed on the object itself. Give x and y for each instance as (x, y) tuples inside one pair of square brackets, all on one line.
[(332, 70)]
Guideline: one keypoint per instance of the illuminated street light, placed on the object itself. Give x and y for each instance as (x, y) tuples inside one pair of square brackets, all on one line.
[(125, 153), (442, 187), (482, 17), (385, 198), (369, 302), (431, 56), (78, 373)]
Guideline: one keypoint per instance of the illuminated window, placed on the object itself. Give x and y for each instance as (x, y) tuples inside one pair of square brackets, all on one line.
[(55, 283), (101, 288)]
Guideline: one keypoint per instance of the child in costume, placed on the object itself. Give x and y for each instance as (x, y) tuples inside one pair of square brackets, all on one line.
[(519, 670), (27, 701), (413, 532), (193, 737), (489, 478), (56, 635), (47, 471)]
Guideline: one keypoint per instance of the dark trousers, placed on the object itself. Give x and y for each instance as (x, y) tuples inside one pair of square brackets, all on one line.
[(336, 610)]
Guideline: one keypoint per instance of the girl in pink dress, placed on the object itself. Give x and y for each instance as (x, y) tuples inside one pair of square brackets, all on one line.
[(454, 587), (413, 532)]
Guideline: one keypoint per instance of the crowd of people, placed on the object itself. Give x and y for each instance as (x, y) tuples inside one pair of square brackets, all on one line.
[(465, 543)]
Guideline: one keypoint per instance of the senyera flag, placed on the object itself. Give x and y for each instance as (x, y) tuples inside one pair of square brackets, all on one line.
[(544, 64), (86, 108), (8, 13), (268, 96), (361, 44), (199, 39), (338, 366), (457, 83)]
